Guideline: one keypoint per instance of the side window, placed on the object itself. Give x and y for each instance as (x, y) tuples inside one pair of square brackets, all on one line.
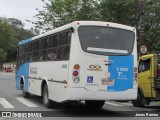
[(51, 41), (29, 48), (19, 55), (52, 54), (64, 46), (36, 51), (62, 39), (68, 37), (44, 43), (43, 51), (43, 55), (29, 52), (55, 43), (61, 53), (144, 65), (24, 56)]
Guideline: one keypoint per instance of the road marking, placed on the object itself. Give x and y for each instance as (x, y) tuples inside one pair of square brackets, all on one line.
[(114, 104), (5, 103), (26, 102)]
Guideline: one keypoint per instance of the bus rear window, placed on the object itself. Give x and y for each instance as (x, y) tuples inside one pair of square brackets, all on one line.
[(106, 40)]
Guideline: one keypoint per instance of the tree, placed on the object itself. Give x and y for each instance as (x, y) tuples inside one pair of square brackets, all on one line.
[(6, 39), (3, 56), (120, 11), (152, 25), (11, 33), (16, 23), (59, 12), (6, 34), (19, 34)]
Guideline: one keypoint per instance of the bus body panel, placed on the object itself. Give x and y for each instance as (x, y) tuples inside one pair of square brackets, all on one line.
[(48, 71), (23, 74)]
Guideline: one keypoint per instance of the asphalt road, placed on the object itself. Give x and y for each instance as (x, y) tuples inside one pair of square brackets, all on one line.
[(12, 100)]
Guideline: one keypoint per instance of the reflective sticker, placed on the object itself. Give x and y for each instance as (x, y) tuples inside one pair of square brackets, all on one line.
[(90, 79), (107, 50)]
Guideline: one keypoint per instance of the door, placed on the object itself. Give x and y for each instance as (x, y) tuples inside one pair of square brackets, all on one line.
[(145, 76)]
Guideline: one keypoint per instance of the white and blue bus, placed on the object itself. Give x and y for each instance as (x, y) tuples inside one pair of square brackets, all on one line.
[(89, 61)]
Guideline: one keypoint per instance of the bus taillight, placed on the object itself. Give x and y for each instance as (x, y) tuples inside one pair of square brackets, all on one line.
[(76, 66), (135, 69), (75, 73), (136, 75)]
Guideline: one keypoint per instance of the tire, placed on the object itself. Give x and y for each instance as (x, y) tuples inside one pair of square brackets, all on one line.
[(139, 102), (24, 93), (94, 104), (46, 101)]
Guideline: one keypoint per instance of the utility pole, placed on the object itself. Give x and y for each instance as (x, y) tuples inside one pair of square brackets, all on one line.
[(143, 48)]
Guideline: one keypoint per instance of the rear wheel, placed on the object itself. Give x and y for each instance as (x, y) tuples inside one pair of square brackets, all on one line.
[(94, 104), (139, 102), (46, 101), (24, 93)]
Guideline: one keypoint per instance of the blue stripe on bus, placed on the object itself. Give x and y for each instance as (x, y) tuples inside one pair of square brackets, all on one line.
[(122, 72), (25, 41), (23, 71)]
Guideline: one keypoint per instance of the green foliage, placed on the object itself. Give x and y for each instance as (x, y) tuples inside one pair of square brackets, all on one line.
[(3, 55), (11, 32), (120, 11), (19, 34), (59, 12), (152, 25), (6, 34), (6, 39)]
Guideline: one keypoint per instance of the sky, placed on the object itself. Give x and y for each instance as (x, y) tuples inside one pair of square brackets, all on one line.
[(21, 9)]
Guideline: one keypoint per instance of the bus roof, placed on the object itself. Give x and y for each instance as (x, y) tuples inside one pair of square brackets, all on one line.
[(76, 24)]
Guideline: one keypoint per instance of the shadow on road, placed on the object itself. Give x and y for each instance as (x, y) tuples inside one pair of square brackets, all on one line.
[(75, 109)]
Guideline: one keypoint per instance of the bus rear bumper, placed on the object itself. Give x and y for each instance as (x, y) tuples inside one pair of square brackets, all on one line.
[(83, 94)]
